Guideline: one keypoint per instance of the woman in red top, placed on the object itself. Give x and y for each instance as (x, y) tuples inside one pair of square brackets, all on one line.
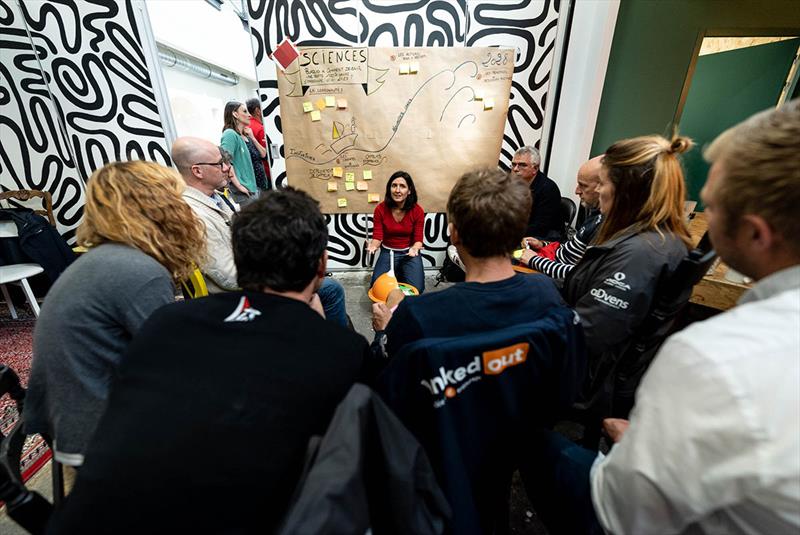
[(397, 225)]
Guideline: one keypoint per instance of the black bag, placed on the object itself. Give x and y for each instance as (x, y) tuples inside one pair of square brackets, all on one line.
[(450, 272)]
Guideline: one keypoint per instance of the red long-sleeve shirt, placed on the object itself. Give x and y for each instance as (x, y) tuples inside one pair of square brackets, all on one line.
[(396, 235)]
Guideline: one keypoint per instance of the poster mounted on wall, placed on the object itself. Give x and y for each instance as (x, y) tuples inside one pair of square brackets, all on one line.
[(354, 115)]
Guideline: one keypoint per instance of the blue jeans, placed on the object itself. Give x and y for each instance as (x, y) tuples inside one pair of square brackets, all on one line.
[(331, 294), (407, 269), (556, 477)]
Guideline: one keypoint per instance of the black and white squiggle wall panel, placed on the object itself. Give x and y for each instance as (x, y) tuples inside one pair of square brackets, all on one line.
[(528, 26), (97, 104), (33, 149)]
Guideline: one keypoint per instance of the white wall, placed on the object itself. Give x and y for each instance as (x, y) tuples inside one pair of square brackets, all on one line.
[(198, 29), (214, 37), (197, 104), (584, 73)]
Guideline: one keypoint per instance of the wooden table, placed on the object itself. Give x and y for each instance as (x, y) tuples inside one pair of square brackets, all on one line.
[(714, 290)]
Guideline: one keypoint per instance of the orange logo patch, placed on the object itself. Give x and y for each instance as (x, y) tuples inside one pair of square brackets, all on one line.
[(450, 392), (496, 361)]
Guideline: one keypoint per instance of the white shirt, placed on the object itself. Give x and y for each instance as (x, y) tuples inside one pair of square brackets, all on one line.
[(714, 439)]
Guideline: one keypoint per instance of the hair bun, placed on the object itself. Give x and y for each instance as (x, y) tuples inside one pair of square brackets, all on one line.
[(680, 144)]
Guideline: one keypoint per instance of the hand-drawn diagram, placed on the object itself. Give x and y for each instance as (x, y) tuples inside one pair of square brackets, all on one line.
[(433, 112)]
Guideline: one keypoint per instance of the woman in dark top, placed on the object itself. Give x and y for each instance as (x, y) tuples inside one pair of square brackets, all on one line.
[(398, 224), (641, 241)]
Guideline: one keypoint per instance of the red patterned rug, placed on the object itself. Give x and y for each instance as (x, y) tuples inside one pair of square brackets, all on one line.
[(16, 351)]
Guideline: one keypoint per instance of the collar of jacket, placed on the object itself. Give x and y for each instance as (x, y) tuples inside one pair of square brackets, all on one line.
[(196, 194)]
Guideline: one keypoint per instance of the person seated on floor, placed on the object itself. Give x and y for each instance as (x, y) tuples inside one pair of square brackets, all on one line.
[(544, 220), (204, 170), (488, 212), (141, 239), (218, 397), (713, 442), (640, 243), (558, 263), (397, 225)]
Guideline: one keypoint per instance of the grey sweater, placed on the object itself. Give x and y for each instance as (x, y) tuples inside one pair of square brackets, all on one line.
[(87, 320)]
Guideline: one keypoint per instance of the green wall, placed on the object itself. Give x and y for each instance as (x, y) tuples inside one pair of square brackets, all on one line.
[(727, 88), (653, 45)]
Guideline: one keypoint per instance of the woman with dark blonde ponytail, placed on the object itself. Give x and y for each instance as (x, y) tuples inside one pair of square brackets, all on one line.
[(642, 240)]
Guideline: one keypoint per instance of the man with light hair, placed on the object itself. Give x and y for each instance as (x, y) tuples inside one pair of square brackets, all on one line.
[(203, 168), (544, 221), (568, 254), (713, 442)]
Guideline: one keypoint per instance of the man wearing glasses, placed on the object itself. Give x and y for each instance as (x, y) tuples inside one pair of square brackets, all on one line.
[(205, 169), (544, 222)]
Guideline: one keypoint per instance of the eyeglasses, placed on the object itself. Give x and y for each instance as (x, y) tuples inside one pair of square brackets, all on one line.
[(222, 164)]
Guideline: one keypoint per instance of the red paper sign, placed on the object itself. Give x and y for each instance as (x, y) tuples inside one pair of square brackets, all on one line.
[(285, 54)]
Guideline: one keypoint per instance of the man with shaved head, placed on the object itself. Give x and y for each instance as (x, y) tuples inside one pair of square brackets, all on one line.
[(204, 170), (557, 264)]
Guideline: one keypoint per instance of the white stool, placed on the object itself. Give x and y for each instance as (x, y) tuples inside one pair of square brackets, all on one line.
[(18, 274)]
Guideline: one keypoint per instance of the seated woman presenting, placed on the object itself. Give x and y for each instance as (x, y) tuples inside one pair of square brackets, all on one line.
[(397, 226)]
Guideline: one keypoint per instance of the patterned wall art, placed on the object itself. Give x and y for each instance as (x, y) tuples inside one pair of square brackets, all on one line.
[(86, 100), (528, 26)]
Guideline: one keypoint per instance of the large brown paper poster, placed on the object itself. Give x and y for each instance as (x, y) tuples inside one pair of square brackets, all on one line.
[(353, 116)]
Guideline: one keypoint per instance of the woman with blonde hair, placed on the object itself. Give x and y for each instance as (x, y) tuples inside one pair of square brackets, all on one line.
[(142, 237), (641, 241)]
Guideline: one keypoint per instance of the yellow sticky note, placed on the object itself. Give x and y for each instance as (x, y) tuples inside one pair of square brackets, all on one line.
[(332, 185), (330, 102), (373, 197), (315, 115), (413, 68), (404, 68), (349, 177), (341, 202), (367, 174), (307, 107), (479, 94), (349, 186), (320, 104), (337, 172), (488, 103), (361, 185), (341, 103)]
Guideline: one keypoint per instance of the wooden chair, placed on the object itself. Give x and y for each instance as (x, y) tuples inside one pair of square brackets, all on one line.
[(26, 195)]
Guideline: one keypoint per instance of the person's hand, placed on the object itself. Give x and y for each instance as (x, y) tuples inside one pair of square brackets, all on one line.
[(316, 305), (615, 428), (413, 251), (373, 245), (394, 298), (527, 254), (380, 316), (248, 132), (533, 243)]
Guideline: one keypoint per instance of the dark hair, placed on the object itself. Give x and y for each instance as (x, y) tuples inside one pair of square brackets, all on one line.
[(490, 210), (649, 189), (253, 105), (410, 201), (278, 241), (228, 120)]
